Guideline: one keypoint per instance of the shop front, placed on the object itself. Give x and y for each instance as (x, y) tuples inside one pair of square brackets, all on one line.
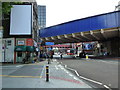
[(20, 52), (24, 50)]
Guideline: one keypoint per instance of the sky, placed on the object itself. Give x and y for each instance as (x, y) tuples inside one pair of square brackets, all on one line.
[(60, 11)]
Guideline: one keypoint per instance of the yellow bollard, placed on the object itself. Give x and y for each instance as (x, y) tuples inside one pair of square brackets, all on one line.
[(47, 73), (86, 56)]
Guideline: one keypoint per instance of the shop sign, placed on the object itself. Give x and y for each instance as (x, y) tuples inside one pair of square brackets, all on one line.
[(29, 42), (21, 42), (49, 43)]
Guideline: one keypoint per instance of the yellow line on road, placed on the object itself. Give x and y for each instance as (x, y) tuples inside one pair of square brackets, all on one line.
[(21, 76), (3, 75)]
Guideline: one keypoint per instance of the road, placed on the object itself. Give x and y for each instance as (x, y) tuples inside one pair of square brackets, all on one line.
[(105, 71), (34, 76)]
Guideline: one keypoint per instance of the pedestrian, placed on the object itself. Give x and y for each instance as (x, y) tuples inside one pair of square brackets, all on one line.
[(35, 58), (24, 60), (27, 56), (51, 54), (61, 55)]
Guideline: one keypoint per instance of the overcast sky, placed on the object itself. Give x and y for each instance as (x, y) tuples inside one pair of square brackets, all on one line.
[(60, 11)]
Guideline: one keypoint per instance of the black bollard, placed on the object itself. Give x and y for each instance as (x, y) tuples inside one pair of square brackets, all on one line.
[(47, 73)]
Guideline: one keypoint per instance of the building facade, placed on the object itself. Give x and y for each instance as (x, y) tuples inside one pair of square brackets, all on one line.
[(41, 16), (20, 43), (118, 6)]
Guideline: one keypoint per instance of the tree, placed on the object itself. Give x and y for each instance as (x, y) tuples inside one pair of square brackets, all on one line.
[(5, 7)]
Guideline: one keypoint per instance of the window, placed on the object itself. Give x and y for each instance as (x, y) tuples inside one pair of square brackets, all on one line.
[(9, 42)]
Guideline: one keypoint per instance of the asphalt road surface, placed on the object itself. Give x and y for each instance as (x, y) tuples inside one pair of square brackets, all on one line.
[(104, 71), (34, 76)]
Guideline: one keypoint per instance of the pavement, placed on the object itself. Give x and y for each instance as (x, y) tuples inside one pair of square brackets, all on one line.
[(34, 76)]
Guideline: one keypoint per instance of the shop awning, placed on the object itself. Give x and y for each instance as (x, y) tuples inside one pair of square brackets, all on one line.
[(30, 48), (20, 48)]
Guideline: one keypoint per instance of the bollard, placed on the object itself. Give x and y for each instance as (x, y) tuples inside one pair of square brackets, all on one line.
[(47, 73), (86, 56)]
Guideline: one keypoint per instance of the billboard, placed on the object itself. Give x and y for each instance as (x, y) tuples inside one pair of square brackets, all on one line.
[(21, 20), (89, 46)]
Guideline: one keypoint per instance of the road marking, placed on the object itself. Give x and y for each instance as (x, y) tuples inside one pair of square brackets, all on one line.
[(70, 75), (107, 87), (65, 66), (56, 67), (77, 73), (84, 77), (20, 76), (67, 72), (19, 66), (61, 66), (89, 79), (75, 78), (3, 75), (42, 71)]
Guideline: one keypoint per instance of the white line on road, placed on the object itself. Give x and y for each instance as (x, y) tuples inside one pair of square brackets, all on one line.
[(88, 79), (56, 67), (65, 66), (91, 80), (61, 66), (42, 71), (70, 75), (19, 66), (75, 78), (77, 73), (67, 72)]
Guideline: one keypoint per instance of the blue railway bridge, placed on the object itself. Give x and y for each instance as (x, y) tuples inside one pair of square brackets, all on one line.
[(104, 28)]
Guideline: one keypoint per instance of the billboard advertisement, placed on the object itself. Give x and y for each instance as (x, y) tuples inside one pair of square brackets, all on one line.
[(88, 46), (21, 20)]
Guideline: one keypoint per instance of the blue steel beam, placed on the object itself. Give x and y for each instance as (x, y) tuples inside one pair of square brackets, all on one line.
[(102, 21)]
